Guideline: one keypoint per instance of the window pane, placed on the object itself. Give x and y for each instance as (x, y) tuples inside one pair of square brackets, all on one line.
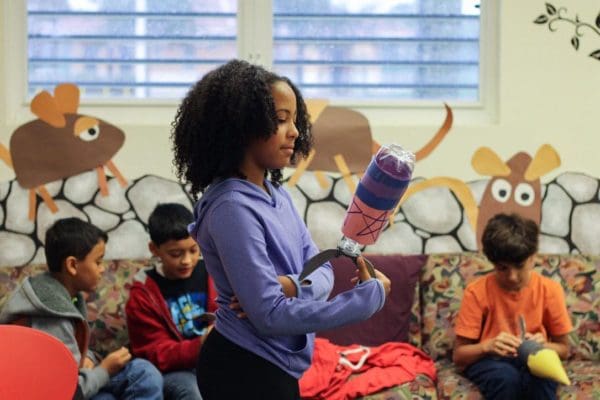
[(128, 48), (372, 49)]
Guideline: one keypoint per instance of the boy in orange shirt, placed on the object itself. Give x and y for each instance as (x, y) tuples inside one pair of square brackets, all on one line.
[(487, 326)]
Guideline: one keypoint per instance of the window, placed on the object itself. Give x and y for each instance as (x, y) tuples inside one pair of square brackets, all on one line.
[(372, 49), (128, 48), (360, 53)]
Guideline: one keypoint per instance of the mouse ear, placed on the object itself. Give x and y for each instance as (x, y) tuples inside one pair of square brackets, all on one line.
[(67, 98), (46, 109)]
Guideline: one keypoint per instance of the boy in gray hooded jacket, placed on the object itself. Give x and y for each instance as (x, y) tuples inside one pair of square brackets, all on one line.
[(52, 302)]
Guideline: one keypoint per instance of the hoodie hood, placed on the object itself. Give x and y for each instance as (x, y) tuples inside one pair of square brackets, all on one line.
[(42, 295), (221, 190)]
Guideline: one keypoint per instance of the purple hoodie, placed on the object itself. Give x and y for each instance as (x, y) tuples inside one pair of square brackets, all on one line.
[(247, 239)]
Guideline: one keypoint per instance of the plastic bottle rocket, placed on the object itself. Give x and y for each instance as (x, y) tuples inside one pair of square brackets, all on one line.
[(542, 362), (378, 192)]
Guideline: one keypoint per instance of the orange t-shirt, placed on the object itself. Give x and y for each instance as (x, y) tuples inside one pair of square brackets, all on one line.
[(487, 309)]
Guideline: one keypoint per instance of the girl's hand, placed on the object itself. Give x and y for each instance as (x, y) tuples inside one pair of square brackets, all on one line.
[(362, 272), (288, 287), (203, 337), (387, 284), (236, 306), (363, 275)]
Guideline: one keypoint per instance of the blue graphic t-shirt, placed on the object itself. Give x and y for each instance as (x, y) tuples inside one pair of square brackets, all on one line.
[(186, 299)]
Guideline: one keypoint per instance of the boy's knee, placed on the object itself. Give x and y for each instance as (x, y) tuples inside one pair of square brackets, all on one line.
[(507, 375), (145, 370)]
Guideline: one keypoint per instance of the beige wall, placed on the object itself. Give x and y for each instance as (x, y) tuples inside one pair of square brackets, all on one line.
[(547, 93)]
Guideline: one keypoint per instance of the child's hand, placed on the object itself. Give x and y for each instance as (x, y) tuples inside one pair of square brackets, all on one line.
[(387, 284), (536, 337), (203, 337), (288, 287), (115, 361), (363, 275), (236, 306), (88, 363), (504, 345)]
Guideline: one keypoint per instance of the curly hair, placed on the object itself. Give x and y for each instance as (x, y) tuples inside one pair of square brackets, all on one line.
[(226, 111), (510, 238)]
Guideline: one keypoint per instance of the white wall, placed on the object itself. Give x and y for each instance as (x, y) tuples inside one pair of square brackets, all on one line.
[(547, 93)]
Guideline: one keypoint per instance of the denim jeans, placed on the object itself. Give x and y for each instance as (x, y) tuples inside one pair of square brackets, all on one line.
[(508, 378), (181, 385), (139, 379)]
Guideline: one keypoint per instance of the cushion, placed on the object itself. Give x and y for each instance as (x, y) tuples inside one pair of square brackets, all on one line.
[(580, 278), (11, 277), (453, 385), (442, 283), (106, 307), (391, 323)]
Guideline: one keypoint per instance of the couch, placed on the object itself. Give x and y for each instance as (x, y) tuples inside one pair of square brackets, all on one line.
[(425, 298)]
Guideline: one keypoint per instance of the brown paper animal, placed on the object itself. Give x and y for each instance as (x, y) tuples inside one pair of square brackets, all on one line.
[(343, 142), (59, 144), (514, 186)]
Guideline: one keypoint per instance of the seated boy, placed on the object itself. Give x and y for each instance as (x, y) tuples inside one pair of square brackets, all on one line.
[(487, 326), (52, 302), (168, 303)]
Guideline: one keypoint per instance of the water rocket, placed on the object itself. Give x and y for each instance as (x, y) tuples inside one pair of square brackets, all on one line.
[(378, 192)]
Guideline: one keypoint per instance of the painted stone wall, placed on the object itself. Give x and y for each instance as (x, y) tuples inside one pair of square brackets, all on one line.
[(430, 221)]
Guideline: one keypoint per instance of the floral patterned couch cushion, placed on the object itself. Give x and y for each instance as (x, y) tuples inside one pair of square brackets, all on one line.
[(442, 283), (106, 307), (421, 388), (11, 277)]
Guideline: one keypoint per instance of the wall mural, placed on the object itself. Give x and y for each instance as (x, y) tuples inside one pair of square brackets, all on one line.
[(59, 144), (343, 143), (439, 214), (554, 16), (514, 186), (431, 221)]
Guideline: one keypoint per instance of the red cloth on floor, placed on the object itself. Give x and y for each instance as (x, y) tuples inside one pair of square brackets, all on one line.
[(331, 377)]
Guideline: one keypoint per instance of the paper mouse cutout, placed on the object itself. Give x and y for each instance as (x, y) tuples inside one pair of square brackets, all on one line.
[(61, 143)]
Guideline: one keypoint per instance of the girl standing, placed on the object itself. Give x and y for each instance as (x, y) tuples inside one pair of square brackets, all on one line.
[(237, 128)]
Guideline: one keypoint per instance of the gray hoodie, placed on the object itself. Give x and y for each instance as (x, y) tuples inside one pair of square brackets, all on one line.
[(43, 303)]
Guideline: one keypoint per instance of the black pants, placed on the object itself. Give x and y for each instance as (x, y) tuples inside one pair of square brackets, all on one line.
[(227, 371)]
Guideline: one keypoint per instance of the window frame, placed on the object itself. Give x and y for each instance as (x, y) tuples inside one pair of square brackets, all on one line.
[(254, 44)]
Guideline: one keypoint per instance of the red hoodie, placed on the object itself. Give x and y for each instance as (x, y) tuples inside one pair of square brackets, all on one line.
[(152, 333), (349, 372)]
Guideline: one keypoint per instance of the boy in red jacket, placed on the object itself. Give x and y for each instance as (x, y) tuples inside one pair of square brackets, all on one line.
[(171, 303)]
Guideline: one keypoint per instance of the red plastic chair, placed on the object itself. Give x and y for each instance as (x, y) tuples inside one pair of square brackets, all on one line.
[(35, 365)]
